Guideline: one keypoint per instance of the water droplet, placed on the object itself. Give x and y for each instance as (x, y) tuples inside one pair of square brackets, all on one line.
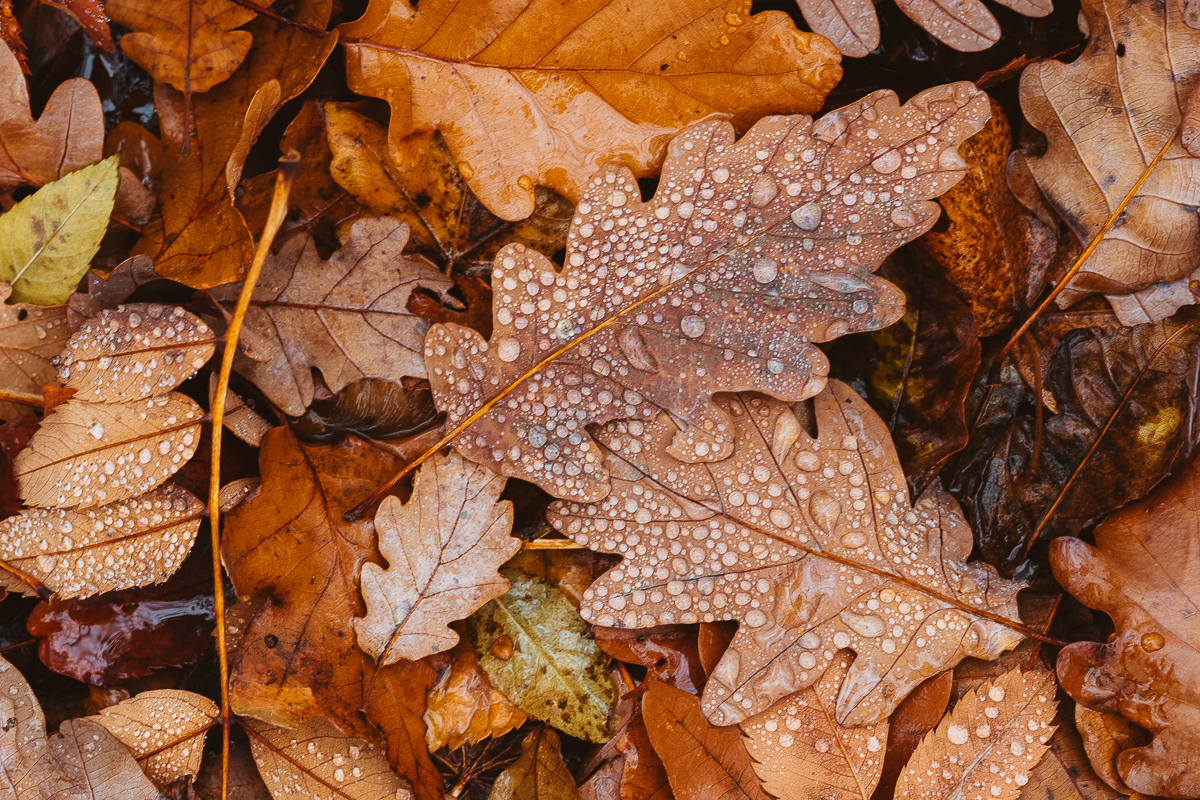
[(807, 217), (887, 163), (957, 734), (692, 326), (763, 191), (538, 436), (780, 518), (854, 539), (870, 626), (96, 430), (904, 217), (825, 509), (1153, 641), (808, 460), (635, 349), (525, 182), (787, 431), (508, 350), (766, 270)]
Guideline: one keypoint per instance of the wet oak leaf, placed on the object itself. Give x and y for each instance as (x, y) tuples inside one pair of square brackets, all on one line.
[(538, 773), (749, 254), (164, 729), (1105, 737), (79, 553), (800, 750), (988, 745), (538, 652), (534, 95), (30, 337), (346, 317), (83, 761), (88, 454), (443, 548), (920, 713), (812, 545), (1139, 573), (463, 707), (1106, 115)]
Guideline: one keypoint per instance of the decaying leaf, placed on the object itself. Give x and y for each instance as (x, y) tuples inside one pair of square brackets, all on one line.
[(164, 729), (1140, 574), (629, 769), (537, 651), (87, 454), (668, 653), (443, 548), (83, 761), (134, 352), (988, 745), (82, 552), (30, 337), (347, 317), (48, 239), (812, 545), (701, 760), (749, 253), (538, 774), (800, 750), (1104, 738), (316, 761), (1106, 116), (463, 707), (191, 45), (538, 94)]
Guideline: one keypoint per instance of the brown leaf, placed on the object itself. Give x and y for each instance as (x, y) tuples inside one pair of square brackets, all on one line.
[(68, 136), (88, 454), (800, 750), (1064, 773), (464, 708), (539, 773), (668, 653), (191, 45), (1105, 737), (240, 420), (569, 571), (373, 408), (701, 759), (477, 315), (83, 761), (920, 713), (988, 745), (243, 777), (30, 336), (346, 317), (630, 770), (10, 35), (568, 92), (840, 558), (1106, 115), (82, 552), (90, 16), (164, 729), (395, 703), (443, 548), (1139, 573), (660, 326)]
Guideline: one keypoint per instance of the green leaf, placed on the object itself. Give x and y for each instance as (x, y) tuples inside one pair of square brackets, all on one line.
[(48, 239), (549, 666)]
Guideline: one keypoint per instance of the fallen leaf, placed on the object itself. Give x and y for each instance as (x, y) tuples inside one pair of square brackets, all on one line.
[(48, 239), (1105, 737), (538, 774), (145, 538), (83, 761), (839, 559), (30, 336), (569, 571), (10, 35), (240, 420), (660, 326), (800, 750), (631, 770), (87, 454), (463, 707), (191, 45), (443, 548), (477, 315), (90, 16), (395, 704), (68, 136), (346, 317), (701, 760), (373, 408), (1106, 115), (111, 290), (988, 745), (164, 729), (920, 713), (550, 667), (243, 777), (1139, 574), (1064, 772), (567, 93), (668, 653)]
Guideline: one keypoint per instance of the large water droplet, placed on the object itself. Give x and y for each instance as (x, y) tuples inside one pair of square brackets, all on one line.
[(692, 326), (807, 217), (868, 626), (825, 510), (787, 431), (763, 191)]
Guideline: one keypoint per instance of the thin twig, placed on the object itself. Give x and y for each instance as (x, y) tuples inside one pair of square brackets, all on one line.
[(288, 165), (33, 399), (551, 544)]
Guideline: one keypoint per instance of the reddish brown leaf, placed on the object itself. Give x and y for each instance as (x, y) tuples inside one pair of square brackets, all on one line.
[(463, 707), (668, 653), (920, 712), (539, 773)]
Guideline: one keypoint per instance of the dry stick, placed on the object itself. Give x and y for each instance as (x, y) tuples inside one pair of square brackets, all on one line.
[(1111, 418), (33, 399), (288, 165)]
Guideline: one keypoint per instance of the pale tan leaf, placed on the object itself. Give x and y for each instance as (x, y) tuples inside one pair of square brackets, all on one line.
[(79, 553), (800, 750), (347, 317), (538, 774), (443, 548), (812, 545), (164, 729), (749, 253), (30, 336), (316, 761), (88, 454), (464, 708), (988, 745), (134, 351), (83, 761), (241, 420)]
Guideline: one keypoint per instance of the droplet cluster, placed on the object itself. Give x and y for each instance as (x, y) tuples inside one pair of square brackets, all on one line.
[(749, 253), (150, 721)]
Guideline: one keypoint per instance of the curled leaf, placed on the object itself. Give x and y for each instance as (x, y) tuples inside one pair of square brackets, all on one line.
[(463, 707), (30, 337)]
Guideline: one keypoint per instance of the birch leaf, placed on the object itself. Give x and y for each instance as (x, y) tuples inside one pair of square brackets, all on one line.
[(164, 729), (30, 337)]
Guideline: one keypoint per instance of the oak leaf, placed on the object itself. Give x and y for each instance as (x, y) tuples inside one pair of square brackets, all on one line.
[(749, 253), (1104, 738), (48, 239), (87, 454), (30, 337), (811, 544), (443, 548), (537, 651), (988, 745), (536, 95), (463, 707), (83, 761), (347, 316), (1106, 116), (82, 552), (1139, 573), (538, 773), (164, 729)]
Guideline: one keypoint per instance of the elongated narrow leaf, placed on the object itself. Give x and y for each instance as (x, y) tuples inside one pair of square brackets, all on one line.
[(164, 729)]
